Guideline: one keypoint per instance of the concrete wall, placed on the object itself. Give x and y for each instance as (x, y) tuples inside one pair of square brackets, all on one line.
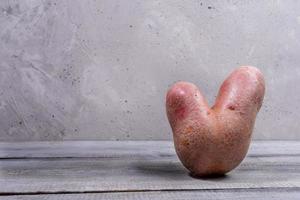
[(83, 69)]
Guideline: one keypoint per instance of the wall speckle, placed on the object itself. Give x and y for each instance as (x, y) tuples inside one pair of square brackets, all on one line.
[(85, 70)]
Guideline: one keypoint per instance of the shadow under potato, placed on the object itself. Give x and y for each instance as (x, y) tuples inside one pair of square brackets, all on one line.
[(171, 170), (163, 169), (210, 176)]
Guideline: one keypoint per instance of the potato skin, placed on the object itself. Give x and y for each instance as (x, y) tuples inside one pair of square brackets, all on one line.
[(215, 140)]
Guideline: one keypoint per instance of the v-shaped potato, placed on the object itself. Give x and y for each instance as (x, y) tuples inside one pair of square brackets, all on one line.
[(215, 140)]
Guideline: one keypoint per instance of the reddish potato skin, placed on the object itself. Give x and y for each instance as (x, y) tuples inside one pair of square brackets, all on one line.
[(215, 140)]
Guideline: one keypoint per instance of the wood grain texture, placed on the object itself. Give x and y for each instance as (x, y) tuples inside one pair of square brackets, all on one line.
[(60, 169), (126, 148), (124, 166)]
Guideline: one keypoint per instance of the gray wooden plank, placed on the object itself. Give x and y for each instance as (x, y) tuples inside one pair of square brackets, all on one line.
[(56, 175), (256, 194), (127, 148), (58, 167), (86, 149)]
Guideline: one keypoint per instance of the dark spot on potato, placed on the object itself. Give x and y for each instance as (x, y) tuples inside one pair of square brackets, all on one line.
[(185, 142), (231, 107)]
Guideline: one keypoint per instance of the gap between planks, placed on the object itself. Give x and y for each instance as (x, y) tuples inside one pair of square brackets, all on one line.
[(265, 189)]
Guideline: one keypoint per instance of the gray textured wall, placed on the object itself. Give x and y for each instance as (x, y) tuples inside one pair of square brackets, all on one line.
[(100, 69)]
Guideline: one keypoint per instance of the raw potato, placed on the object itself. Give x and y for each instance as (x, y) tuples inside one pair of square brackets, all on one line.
[(213, 141)]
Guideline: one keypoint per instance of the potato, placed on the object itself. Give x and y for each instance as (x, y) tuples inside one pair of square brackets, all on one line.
[(213, 141)]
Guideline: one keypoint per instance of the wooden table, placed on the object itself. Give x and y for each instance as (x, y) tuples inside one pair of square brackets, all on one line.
[(141, 170)]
